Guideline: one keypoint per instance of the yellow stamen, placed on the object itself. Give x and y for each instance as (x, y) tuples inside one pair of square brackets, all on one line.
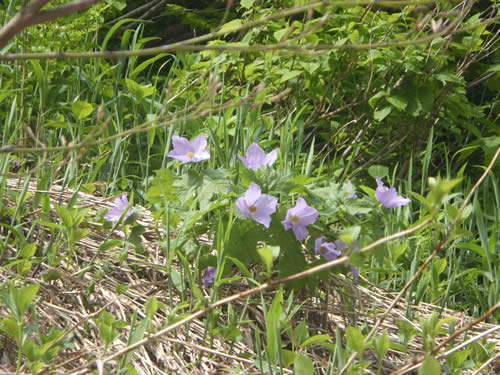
[(294, 219), (252, 209), (190, 155)]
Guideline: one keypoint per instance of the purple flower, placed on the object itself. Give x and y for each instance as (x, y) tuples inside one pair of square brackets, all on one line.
[(299, 217), (389, 197), (120, 204), (326, 249), (257, 206), (189, 151), (256, 157), (208, 277), (349, 185)]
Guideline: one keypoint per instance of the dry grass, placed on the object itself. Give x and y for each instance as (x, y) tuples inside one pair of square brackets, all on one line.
[(73, 303)]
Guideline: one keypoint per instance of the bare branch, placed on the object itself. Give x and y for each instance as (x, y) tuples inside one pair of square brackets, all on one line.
[(32, 15)]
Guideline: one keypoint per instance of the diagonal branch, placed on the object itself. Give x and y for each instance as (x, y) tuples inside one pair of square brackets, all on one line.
[(32, 15)]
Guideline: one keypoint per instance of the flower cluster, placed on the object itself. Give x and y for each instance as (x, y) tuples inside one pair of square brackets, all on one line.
[(259, 207)]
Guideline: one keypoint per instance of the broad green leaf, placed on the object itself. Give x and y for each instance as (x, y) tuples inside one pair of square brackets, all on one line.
[(381, 346), (398, 101), (81, 109), (378, 171), (228, 27), (27, 251), (430, 366), (23, 297), (303, 365), (355, 339), (289, 74), (247, 3), (382, 113)]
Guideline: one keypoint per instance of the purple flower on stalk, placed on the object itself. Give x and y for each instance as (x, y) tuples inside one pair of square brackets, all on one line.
[(353, 195), (326, 249), (120, 204), (256, 157), (189, 151), (299, 217), (257, 206), (389, 197), (208, 277)]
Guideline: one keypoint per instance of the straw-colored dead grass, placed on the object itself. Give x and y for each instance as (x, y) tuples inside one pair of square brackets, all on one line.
[(73, 304)]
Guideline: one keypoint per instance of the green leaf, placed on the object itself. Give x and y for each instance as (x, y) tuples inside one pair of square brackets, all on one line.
[(381, 346), (273, 326), (228, 27), (243, 269), (135, 89), (247, 3), (303, 365), (430, 366), (289, 74), (109, 245), (81, 109), (23, 297), (27, 251), (378, 171), (398, 101), (78, 234), (313, 340), (288, 357), (65, 216), (382, 113), (151, 307), (120, 289), (355, 339)]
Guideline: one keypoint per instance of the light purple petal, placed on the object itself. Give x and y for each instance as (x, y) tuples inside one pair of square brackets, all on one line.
[(300, 232), (189, 151), (252, 194), (199, 143), (208, 277), (389, 198), (257, 206), (121, 203), (271, 157), (255, 157)]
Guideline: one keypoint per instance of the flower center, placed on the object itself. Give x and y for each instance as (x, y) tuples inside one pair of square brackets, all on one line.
[(190, 155), (294, 219), (322, 249), (252, 209)]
